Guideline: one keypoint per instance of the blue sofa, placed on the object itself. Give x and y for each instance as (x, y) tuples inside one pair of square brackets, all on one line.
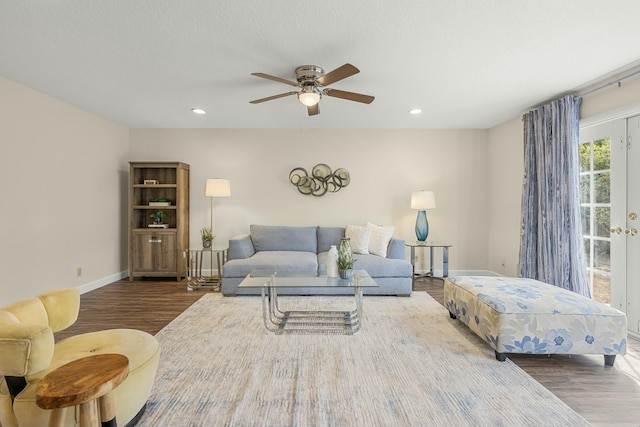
[(303, 251)]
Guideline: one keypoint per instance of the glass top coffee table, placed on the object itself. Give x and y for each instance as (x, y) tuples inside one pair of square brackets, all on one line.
[(279, 321)]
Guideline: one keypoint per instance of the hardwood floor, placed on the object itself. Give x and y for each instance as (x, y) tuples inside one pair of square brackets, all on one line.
[(604, 396), (142, 304)]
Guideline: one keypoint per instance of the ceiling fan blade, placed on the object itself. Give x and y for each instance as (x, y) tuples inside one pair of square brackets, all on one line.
[(270, 98), (347, 70), (274, 78), (313, 109), (350, 96)]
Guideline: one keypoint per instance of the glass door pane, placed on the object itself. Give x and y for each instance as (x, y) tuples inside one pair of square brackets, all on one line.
[(595, 200)]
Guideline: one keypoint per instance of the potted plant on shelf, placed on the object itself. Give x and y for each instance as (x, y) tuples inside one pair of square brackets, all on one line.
[(157, 217), (345, 259), (207, 237)]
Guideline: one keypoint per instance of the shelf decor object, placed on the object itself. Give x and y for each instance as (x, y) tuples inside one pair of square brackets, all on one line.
[(321, 181), (159, 202), (345, 258), (422, 200), (155, 246)]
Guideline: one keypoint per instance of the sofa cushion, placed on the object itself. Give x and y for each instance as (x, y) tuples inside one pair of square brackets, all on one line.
[(283, 238), (328, 236), (240, 247), (380, 238), (359, 238), (377, 266), (286, 262)]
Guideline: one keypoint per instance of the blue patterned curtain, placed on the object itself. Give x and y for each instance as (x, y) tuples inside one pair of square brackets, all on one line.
[(551, 247)]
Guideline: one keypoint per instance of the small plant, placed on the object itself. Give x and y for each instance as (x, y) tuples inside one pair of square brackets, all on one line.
[(345, 261), (157, 216), (207, 234)]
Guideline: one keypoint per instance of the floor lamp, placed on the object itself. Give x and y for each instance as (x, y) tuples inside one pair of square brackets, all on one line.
[(216, 187), (422, 200)]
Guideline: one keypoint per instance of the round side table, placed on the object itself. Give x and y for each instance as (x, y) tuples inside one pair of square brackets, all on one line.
[(83, 382)]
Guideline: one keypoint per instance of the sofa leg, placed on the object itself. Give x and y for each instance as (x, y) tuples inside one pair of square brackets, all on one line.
[(453, 316), (609, 359), (501, 357)]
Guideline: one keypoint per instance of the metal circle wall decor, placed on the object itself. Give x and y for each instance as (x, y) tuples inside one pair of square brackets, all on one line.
[(321, 180)]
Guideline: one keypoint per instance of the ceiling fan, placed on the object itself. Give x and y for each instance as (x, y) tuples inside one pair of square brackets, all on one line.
[(312, 82)]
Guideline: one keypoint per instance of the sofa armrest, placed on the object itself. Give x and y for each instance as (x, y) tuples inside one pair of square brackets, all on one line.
[(240, 247), (396, 248), (25, 348)]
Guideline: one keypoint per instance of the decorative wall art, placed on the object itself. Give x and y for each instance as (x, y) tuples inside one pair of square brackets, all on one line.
[(321, 180)]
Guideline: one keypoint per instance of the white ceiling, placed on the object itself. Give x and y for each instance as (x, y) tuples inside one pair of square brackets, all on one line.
[(466, 63)]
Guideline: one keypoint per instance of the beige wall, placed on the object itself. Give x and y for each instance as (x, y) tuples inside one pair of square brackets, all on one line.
[(385, 167), (612, 102), (61, 188), (65, 173), (505, 170)]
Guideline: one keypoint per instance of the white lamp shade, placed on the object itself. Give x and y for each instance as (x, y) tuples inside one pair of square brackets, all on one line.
[(217, 187), (422, 200)]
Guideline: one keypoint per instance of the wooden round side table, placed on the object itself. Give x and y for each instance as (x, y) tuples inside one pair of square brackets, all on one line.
[(83, 382)]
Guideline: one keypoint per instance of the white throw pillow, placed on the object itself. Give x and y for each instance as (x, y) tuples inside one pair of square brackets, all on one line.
[(359, 238), (380, 238)]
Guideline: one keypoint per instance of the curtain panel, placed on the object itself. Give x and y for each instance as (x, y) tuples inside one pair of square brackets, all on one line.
[(551, 246)]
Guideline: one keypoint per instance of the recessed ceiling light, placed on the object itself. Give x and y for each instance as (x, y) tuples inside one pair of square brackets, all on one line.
[(199, 111), (415, 111)]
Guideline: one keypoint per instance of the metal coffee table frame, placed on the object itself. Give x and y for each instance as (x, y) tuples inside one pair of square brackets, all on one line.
[(279, 321)]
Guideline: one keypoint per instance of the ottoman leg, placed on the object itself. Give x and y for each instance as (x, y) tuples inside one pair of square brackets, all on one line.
[(609, 359), (501, 357)]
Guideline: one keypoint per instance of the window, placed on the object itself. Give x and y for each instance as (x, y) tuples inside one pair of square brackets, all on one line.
[(595, 202)]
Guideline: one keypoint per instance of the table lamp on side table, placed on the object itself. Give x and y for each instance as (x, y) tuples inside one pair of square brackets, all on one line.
[(422, 200)]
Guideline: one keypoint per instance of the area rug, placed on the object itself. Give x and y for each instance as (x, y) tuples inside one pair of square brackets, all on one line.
[(410, 366)]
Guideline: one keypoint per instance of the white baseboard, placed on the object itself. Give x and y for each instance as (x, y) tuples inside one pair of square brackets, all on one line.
[(473, 273), (87, 287), (438, 273), (634, 335)]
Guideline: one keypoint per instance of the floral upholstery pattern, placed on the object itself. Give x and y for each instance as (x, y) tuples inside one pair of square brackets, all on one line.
[(518, 315)]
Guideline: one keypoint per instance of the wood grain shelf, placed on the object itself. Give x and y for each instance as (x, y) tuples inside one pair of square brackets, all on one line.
[(156, 252)]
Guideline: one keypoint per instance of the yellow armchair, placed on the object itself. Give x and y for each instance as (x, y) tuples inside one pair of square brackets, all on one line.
[(28, 352)]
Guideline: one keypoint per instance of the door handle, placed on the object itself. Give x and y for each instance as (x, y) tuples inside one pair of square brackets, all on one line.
[(616, 230), (155, 241), (631, 231), (633, 216)]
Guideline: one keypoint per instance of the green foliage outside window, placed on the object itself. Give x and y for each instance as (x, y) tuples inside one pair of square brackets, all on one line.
[(601, 151)]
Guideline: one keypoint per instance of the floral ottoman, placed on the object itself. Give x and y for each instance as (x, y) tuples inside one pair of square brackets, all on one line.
[(516, 315)]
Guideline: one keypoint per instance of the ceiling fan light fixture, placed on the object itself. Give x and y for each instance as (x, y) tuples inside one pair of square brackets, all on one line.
[(309, 96)]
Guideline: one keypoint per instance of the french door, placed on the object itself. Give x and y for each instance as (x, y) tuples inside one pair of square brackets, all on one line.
[(611, 220)]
